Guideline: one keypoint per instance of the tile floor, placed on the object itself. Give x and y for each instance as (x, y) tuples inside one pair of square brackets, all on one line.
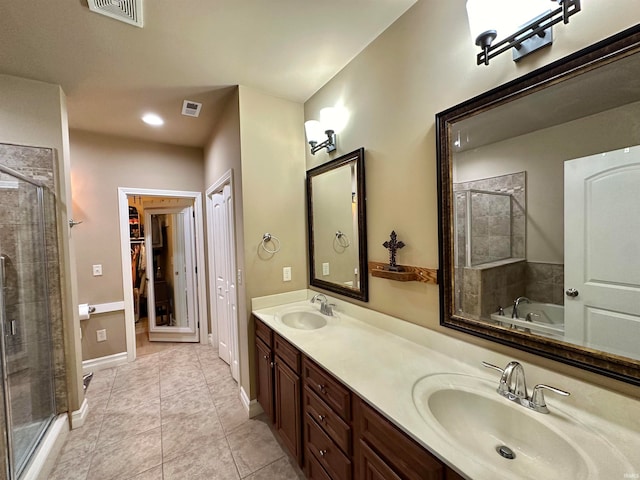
[(173, 414)]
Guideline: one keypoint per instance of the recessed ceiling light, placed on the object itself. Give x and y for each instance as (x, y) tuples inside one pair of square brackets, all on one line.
[(153, 119)]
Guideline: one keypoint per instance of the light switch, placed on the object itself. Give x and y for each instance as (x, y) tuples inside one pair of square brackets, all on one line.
[(286, 274), (97, 270), (325, 269), (101, 335)]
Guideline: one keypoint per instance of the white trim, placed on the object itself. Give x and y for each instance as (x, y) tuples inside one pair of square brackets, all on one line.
[(252, 407), (108, 361), (45, 457), (108, 307), (127, 287), (211, 340), (78, 417)]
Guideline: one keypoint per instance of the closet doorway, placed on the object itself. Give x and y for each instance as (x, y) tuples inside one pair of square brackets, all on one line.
[(223, 271), (162, 247)]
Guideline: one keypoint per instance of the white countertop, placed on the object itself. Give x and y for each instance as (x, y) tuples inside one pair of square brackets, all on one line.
[(380, 358)]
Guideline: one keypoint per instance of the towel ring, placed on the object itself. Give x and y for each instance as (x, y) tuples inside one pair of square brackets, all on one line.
[(268, 238), (342, 239)]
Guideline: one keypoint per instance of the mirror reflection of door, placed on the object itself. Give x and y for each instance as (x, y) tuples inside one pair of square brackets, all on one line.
[(602, 227), (171, 283)]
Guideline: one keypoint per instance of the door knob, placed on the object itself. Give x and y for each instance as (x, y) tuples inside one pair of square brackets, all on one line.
[(572, 292)]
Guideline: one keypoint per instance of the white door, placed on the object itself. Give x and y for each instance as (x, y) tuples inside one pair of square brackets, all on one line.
[(220, 274), (171, 275), (602, 251), (225, 279)]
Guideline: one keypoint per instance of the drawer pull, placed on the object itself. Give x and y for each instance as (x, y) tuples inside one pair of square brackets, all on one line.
[(273, 364), (322, 453), (321, 388), (266, 357), (321, 418)]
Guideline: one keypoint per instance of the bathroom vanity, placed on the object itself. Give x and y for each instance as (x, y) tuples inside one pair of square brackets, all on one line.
[(363, 395), (327, 428)]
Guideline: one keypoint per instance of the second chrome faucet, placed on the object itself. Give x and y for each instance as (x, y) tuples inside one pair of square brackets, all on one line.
[(513, 386)]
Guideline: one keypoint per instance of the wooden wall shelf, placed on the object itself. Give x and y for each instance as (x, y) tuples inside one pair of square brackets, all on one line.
[(409, 273)]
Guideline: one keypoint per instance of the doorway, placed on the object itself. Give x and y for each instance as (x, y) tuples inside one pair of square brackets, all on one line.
[(163, 284), (223, 272)]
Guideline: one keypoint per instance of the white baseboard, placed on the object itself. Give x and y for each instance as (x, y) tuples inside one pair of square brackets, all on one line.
[(44, 459), (101, 363), (252, 407), (211, 339), (79, 416)]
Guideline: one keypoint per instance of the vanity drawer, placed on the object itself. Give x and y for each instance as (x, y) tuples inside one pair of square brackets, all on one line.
[(263, 332), (327, 419), (318, 444), (330, 390), (313, 469), (289, 354)]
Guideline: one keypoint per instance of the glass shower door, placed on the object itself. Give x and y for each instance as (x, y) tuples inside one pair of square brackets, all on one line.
[(27, 369)]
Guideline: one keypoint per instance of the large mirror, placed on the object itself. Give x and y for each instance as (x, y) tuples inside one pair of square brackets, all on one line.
[(337, 226), (539, 192)]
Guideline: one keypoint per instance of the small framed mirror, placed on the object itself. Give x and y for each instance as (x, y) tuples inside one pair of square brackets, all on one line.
[(336, 217)]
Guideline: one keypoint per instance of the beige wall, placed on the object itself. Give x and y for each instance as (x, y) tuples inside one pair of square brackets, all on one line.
[(272, 144), (99, 165), (423, 64), (222, 154), (35, 113)]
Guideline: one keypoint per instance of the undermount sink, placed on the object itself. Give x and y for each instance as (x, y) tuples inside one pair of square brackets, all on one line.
[(508, 439), (303, 319)]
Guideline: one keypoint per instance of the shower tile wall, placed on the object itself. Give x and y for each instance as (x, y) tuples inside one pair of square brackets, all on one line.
[(545, 282), (469, 295), (491, 232), (495, 285), (39, 164)]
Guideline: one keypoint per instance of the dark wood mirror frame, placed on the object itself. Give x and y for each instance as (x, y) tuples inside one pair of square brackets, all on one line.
[(606, 51), (361, 293)]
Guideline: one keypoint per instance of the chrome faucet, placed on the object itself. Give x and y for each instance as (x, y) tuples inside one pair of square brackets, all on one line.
[(517, 301), (513, 387), (326, 308)]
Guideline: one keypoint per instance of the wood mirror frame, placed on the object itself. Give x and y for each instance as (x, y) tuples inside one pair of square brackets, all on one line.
[(361, 290), (610, 50)]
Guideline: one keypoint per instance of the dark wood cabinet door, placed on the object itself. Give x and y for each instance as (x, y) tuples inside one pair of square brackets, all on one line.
[(372, 467), (264, 380), (288, 413), (402, 455)]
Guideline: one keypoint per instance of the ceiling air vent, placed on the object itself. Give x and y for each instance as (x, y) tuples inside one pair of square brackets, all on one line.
[(191, 109), (128, 11)]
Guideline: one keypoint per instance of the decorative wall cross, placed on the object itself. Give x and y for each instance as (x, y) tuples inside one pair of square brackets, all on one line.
[(393, 246)]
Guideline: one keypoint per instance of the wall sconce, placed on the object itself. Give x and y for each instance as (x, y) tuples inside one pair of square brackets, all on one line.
[(486, 26), (321, 134)]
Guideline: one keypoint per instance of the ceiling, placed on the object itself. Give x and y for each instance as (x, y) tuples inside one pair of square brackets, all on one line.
[(112, 73)]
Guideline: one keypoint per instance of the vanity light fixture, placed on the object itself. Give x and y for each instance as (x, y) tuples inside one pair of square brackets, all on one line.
[(321, 134), (485, 25)]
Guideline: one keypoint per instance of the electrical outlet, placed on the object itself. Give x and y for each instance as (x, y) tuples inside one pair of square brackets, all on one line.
[(97, 270), (286, 274), (101, 335), (325, 269)]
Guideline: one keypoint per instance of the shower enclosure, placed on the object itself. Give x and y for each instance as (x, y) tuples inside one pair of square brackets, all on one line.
[(483, 227), (28, 394)]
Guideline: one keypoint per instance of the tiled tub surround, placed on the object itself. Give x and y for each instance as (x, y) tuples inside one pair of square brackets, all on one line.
[(481, 290), (380, 358)]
